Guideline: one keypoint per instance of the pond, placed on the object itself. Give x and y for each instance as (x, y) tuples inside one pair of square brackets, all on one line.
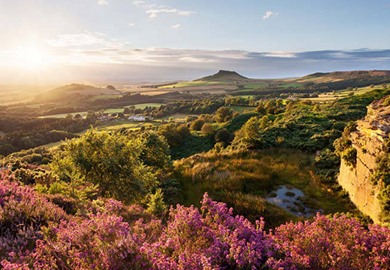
[(291, 199)]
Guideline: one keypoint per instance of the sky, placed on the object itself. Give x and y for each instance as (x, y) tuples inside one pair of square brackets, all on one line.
[(119, 41)]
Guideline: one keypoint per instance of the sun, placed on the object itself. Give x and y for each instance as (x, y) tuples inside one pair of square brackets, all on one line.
[(29, 57)]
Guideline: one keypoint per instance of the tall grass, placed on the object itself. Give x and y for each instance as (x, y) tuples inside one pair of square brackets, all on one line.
[(243, 180)]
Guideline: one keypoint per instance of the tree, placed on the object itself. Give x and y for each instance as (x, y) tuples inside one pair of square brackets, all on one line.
[(110, 160), (223, 136), (78, 117), (260, 108), (223, 114), (126, 110), (197, 124), (155, 151), (110, 87), (207, 129), (91, 117)]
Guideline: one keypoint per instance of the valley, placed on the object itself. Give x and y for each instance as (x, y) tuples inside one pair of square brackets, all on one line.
[(269, 149)]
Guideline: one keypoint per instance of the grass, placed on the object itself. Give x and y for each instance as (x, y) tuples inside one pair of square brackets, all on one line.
[(144, 105), (343, 94), (255, 85), (188, 84), (177, 117), (290, 85), (242, 109), (246, 96), (243, 180), (110, 111), (105, 97), (53, 145), (63, 115), (126, 124)]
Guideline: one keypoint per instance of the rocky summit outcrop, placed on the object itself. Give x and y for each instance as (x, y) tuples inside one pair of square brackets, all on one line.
[(367, 181)]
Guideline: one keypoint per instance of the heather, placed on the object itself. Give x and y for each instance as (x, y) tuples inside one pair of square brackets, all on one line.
[(23, 213), (36, 234)]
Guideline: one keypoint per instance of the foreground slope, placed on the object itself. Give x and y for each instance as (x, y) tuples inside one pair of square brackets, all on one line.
[(207, 238)]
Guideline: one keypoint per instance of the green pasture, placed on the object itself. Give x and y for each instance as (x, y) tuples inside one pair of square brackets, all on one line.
[(188, 84)]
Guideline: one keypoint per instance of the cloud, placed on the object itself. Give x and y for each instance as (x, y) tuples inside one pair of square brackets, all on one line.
[(82, 41), (131, 24), (153, 10), (191, 59), (175, 26), (94, 55), (268, 14), (86, 38), (280, 54), (75, 40), (102, 2), (153, 13), (139, 3)]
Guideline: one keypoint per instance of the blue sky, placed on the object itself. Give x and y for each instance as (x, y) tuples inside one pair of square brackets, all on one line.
[(138, 40)]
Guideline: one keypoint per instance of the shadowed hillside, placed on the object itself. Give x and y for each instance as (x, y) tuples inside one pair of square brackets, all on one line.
[(320, 77), (224, 75), (77, 90)]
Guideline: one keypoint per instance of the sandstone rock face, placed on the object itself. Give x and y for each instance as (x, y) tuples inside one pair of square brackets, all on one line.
[(368, 141)]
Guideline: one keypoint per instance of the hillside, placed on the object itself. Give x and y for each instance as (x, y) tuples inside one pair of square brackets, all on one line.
[(224, 75), (67, 92), (345, 75)]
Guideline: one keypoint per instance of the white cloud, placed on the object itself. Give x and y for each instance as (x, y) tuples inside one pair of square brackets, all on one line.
[(139, 3), (86, 39), (280, 54), (191, 59), (102, 2), (131, 24), (67, 40), (268, 14), (144, 5), (153, 13), (153, 10), (175, 26)]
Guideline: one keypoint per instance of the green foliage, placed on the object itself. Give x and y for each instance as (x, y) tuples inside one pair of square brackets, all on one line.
[(155, 151), (223, 114), (343, 146), (24, 132), (37, 156), (244, 179), (207, 129), (384, 198), (156, 205), (223, 136), (237, 122), (197, 124), (111, 161), (304, 126), (174, 134), (381, 178), (191, 145)]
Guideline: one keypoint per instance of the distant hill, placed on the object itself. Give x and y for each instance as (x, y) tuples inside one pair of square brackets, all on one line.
[(77, 91), (344, 75), (224, 75)]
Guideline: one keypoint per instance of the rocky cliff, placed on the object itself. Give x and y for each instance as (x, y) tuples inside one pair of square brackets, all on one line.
[(366, 179)]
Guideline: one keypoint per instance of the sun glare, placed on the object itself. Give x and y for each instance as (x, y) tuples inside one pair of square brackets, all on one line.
[(31, 58)]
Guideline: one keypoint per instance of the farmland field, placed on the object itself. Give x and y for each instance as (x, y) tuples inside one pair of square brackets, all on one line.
[(255, 85), (343, 94), (242, 109), (112, 110), (188, 84)]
